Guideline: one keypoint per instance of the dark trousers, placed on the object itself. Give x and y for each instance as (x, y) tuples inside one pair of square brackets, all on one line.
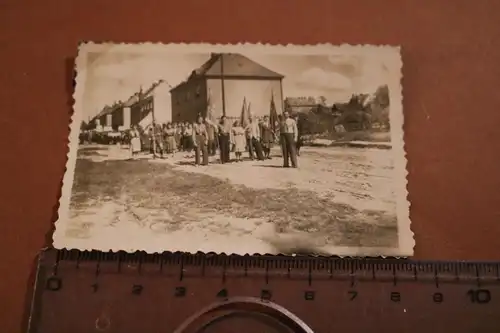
[(200, 149), (289, 150), (254, 145), (224, 148), (211, 146), (299, 144)]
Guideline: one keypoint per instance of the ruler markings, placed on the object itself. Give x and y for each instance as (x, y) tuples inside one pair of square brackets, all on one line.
[(355, 283)]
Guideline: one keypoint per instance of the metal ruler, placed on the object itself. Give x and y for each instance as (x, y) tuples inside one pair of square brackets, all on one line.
[(129, 293)]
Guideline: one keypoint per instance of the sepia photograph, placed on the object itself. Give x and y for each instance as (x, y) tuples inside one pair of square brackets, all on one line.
[(237, 149)]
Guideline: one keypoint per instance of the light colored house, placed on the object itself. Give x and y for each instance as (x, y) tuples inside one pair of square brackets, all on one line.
[(222, 83), (103, 121), (144, 106)]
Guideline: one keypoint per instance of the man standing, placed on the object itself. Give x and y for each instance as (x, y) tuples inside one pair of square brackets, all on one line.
[(224, 139), (200, 139), (211, 132), (253, 131), (299, 142), (288, 140)]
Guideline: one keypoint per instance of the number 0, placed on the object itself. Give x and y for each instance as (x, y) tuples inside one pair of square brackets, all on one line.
[(480, 296)]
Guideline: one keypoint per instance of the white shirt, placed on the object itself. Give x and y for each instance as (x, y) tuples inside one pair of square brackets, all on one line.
[(253, 130), (291, 127)]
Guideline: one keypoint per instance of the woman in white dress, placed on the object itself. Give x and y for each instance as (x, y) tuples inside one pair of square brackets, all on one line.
[(238, 139), (135, 142)]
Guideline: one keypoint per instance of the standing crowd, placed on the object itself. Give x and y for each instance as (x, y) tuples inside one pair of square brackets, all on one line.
[(204, 137)]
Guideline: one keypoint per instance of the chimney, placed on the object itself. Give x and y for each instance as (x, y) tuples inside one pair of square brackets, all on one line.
[(216, 55)]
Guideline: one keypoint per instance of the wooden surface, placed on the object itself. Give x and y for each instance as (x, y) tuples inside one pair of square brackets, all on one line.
[(451, 102)]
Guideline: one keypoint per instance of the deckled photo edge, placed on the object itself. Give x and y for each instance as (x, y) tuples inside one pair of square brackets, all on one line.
[(405, 234), (59, 237)]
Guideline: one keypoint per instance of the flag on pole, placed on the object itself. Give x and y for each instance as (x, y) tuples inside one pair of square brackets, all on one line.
[(244, 113), (249, 110), (210, 108), (273, 115)]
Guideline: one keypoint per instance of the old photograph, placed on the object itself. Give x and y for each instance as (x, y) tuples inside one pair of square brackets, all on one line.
[(244, 149)]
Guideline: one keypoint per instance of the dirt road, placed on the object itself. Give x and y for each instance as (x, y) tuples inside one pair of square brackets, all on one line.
[(351, 187)]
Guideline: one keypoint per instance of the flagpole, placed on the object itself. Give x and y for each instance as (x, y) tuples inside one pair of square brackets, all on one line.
[(282, 98), (154, 127), (221, 57)]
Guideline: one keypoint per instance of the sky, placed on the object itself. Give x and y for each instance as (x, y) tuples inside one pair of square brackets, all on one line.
[(116, 76)]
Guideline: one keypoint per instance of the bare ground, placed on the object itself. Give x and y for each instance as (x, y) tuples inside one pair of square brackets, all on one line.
[(338, 197)]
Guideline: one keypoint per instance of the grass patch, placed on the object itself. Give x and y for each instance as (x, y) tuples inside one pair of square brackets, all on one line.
[(159, 186)]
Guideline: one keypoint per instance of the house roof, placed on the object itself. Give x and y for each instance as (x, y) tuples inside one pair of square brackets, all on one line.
[(106, 110), (232, 65), (132, 100), (141, 94), (153, 87)]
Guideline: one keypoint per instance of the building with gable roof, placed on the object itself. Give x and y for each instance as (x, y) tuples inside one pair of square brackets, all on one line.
[(144, 106), (103, 121), (224, 81)]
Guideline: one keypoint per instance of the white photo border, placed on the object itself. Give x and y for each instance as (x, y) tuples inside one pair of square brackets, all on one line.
[(394, 63)]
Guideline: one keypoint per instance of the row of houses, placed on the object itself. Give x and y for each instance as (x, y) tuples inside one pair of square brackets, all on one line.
[(219, 85), (138, 109)]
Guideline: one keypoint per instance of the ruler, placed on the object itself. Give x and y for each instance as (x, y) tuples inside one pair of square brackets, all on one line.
[(172, 292)]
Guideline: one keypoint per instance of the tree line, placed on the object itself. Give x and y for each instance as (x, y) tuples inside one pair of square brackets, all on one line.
[(362, 112)]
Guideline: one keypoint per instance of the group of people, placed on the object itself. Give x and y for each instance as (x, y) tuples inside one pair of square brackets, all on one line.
[(205, 137)]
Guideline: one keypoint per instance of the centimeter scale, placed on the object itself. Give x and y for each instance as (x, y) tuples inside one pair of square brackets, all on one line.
[(129, 293)]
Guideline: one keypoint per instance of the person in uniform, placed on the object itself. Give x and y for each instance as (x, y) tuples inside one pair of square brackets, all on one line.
[(289, 140), (200, 139), (224, 139)]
